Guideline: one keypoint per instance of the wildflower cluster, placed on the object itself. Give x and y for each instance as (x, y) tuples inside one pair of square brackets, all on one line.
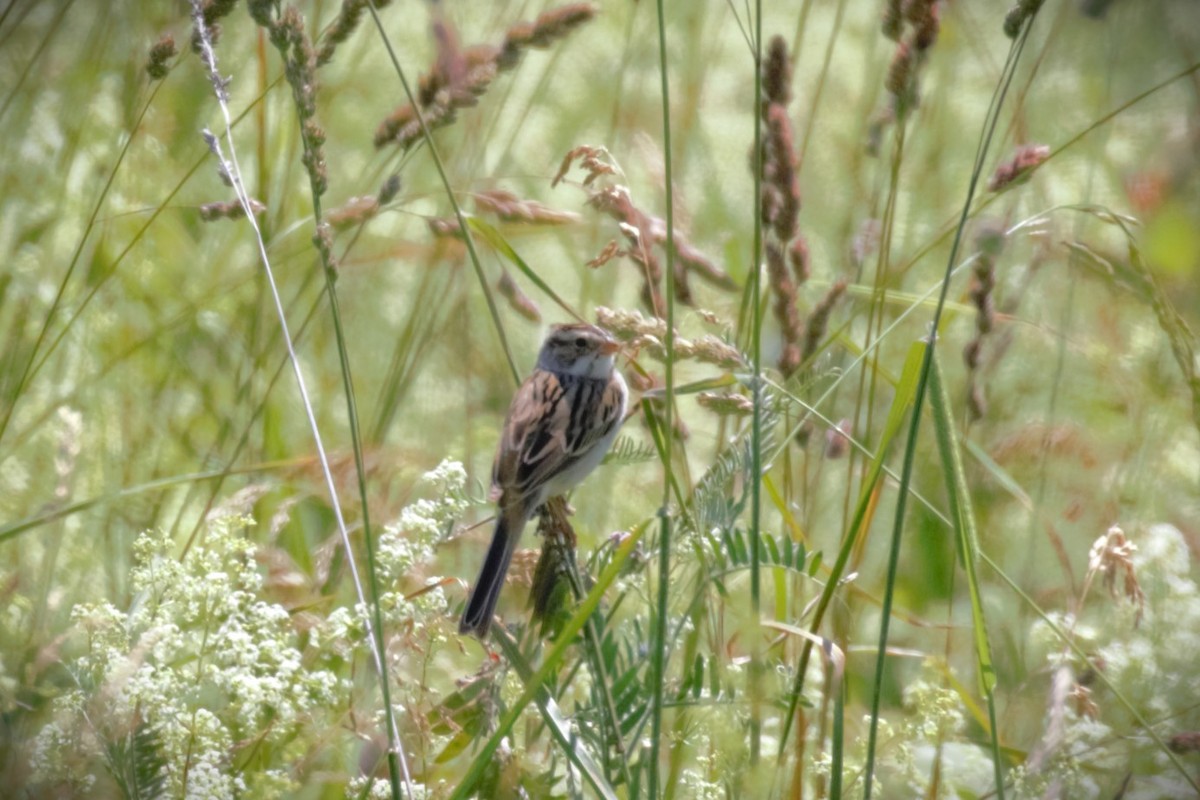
[(199, 667), (416, 600), (1151, 664)]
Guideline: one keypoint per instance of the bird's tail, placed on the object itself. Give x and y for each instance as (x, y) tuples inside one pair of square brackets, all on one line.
[(482, 602)]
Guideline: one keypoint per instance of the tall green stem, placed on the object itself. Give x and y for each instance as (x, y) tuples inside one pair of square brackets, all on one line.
[(756, 422), (664, 534)]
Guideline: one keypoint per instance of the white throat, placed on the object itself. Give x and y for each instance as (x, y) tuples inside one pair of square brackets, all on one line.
[(598, 367)]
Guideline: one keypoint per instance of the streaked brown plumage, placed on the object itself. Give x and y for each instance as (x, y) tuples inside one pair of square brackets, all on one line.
[(561, 422)]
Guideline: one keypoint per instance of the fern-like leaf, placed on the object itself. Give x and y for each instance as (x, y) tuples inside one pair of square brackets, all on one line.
[(627, 450), (137, 765)]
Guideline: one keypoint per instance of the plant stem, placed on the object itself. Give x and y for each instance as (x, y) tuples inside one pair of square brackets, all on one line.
[(664, 534)]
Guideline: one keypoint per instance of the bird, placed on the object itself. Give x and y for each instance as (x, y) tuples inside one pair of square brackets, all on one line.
[(562, 421)]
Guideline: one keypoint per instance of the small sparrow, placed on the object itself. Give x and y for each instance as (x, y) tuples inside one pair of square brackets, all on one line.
[(562, 421)]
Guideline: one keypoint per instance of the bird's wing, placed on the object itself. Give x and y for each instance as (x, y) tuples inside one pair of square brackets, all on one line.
[(547, 430)]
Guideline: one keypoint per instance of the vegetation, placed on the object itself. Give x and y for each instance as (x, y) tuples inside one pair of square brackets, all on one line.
[(908, 510)]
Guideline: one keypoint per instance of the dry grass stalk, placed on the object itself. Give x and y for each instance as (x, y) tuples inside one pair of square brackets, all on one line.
[(726, 403), (230, 209), (1112, 556), (641, 230), (517, 299), (510, 208), (647, 334), (1017, 169), (358, 210), (459, 76)]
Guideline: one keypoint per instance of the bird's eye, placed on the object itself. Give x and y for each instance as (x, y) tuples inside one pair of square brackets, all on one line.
[(581, 342)]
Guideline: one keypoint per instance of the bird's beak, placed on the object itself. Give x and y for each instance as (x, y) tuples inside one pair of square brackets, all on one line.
[(609, 347)]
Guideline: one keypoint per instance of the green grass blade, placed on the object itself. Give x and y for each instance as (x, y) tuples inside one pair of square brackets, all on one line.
[(554, 657), (963, 516), (906, 389), (658, 653), (560, 727), (501, 245)]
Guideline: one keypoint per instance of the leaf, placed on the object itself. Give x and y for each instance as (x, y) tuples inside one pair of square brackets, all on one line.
[(627, 450), (963, 517), (501, 245), (137, 765)]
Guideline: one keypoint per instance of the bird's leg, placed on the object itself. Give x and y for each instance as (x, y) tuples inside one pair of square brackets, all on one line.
[(557, 510), (551, 583)]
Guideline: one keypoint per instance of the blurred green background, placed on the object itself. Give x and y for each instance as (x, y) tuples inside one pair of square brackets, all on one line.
[(143, 376)]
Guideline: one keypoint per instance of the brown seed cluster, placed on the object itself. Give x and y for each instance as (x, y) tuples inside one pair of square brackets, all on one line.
[(818, 320), (837, 439), (923, 23), (289, 37), (510, 208), (348, 19), (358, 210), (1185, 742), (726, 403), (517, 299), (507, 207), (785, 249), (595, 161), (990, 243), (287, 33), (161, 53), (460, 76), (1017, 169), (646, 334), (1014, 20), (641, 231)]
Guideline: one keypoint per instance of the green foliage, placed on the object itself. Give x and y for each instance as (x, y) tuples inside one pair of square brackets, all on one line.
[(137, 765), (144, 386)]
